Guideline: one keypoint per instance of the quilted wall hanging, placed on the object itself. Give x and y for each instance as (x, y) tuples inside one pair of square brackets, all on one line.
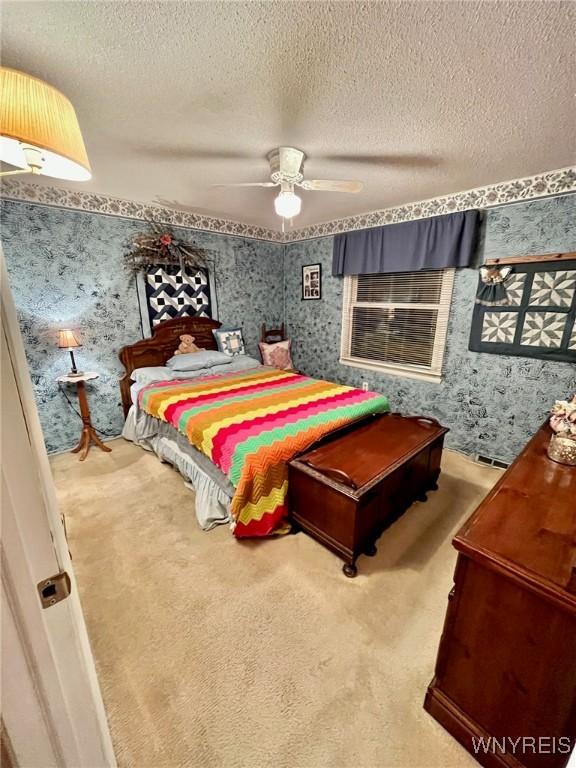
[(172, 276), (528, 310), (172, 292)]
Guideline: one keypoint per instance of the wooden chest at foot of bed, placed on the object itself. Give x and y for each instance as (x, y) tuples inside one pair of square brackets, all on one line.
[(347, 490)]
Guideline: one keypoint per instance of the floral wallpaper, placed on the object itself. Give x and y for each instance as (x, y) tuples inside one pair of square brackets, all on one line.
[(65, 270), (491, 403)]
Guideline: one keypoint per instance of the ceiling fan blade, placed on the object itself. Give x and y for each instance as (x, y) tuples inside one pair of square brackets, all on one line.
[(174, 152), (249, 184), (331, 185), (391, 161)]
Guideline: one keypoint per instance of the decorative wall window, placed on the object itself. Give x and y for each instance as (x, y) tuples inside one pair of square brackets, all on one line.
[(397, 322)]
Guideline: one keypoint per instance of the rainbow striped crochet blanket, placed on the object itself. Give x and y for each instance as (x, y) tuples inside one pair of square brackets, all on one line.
[(251, 424)]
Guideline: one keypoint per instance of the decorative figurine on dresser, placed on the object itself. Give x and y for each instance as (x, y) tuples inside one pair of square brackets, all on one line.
[(505, 678), (562, 445), (67, 340)]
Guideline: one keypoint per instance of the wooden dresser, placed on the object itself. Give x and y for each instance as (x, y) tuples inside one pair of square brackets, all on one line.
[(506, 666), (345, 492)]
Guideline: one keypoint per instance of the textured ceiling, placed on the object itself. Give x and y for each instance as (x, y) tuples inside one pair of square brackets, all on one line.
[(416, 99)]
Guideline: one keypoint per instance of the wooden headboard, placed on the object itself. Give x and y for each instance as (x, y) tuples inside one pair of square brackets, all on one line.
[(161, 346)]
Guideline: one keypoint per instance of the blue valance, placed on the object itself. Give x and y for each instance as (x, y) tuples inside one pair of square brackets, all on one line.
[(436, 243)]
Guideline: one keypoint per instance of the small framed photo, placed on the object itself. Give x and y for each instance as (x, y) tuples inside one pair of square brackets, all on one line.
[(311, 281)]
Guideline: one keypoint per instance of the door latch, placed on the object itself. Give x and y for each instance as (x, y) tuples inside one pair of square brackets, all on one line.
[(54, 589)]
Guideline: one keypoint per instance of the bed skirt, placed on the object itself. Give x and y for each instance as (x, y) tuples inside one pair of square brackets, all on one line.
[(212, 488)]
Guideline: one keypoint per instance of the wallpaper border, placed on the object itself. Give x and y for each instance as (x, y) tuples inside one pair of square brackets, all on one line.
[(58, 197), (551, 183)]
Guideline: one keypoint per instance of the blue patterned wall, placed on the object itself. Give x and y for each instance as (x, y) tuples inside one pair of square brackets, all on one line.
[(491, 403), (65, 270)]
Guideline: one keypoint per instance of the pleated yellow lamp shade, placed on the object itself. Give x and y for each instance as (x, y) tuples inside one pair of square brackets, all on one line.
[(33, 113), (67, 339)]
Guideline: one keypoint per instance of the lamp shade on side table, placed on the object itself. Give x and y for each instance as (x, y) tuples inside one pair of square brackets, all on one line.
[(67, 340)]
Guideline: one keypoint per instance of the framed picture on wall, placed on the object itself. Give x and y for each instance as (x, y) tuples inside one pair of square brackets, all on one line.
[(311, 282)]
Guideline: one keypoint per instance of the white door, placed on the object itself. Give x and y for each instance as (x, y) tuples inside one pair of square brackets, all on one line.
[(52, 710)]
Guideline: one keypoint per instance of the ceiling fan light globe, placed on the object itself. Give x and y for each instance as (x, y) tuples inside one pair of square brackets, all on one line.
[(287, 205)]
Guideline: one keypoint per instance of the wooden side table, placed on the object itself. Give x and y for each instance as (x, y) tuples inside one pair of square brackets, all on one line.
[(88, 435)]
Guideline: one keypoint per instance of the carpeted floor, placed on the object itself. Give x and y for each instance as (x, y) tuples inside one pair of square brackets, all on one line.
[(214, 653)]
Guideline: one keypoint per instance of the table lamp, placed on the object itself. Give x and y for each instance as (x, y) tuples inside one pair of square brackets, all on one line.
[(67, 340)]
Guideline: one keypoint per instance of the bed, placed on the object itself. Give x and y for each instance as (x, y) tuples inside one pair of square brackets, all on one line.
[(231, 430), (212, 488)]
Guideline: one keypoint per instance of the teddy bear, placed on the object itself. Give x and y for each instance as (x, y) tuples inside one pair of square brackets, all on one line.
[(186, 345)]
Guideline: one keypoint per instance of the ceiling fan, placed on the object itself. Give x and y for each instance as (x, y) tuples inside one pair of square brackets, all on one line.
[(287, 172)]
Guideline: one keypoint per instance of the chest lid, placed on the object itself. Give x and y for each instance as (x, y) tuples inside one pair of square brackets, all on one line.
[(372, 450)]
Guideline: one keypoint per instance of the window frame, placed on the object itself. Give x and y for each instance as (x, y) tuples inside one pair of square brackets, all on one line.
[(433, 372)]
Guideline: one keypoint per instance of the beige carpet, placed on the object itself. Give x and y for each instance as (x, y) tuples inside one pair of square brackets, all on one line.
[(212, 652)]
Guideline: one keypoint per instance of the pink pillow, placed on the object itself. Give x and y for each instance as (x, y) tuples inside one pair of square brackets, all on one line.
[(277, 355)]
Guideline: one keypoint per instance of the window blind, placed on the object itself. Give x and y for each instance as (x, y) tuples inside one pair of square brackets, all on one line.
[(397, 322)]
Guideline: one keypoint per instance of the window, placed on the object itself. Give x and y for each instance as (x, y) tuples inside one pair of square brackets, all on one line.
[(397, 323)]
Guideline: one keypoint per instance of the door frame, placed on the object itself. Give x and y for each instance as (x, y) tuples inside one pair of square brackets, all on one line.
[(52, 708)]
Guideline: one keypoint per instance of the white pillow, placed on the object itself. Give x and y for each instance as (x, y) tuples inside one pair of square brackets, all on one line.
[(180, 375), (234, 365), (241, 363), (151, 374), (193, 361)]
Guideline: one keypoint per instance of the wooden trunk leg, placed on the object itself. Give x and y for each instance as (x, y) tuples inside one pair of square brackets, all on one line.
[(294, 527), (350, 570), (434, 480)]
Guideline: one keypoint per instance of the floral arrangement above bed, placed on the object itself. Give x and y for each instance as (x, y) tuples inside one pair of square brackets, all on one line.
[(163, 246)]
